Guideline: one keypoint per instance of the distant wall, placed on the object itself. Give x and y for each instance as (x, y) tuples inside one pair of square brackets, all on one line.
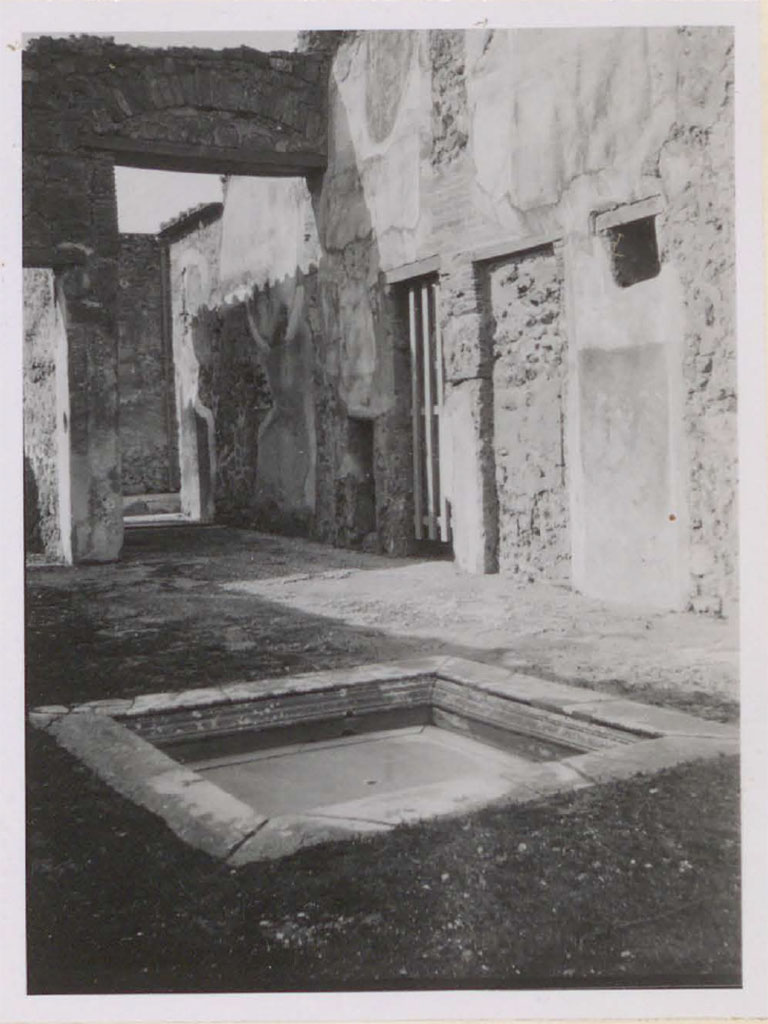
[(269, 260), (148, 427), (233, 386)]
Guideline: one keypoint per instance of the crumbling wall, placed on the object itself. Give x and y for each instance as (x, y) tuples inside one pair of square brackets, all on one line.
[(525, 308), (450, 112), (148, 428), (47, 517)]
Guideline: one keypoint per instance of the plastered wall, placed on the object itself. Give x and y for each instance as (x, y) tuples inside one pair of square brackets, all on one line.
[(268, 273), (48, 520), (193, 268)]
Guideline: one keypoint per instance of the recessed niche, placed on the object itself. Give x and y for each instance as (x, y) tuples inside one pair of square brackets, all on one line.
[(634, 251)]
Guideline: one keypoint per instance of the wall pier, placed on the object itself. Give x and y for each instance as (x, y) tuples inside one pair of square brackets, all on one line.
[(96, 492), (467, 456), (47, 512), (79, 241)]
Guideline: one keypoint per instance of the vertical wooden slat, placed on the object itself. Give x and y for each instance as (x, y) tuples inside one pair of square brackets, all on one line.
[(428, 414), (440, 384), (418, 512)]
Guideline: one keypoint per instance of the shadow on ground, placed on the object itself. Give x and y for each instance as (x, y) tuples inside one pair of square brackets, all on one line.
[(190, 607)]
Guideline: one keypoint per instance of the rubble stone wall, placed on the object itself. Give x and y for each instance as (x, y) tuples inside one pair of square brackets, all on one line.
[(525, 310), (696, 167), (148, 422)]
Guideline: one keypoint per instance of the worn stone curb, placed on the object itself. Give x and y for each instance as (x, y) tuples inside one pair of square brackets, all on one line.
[(212, 820), (199, 812)]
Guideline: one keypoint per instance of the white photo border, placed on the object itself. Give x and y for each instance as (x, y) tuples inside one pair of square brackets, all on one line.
[(36, 17)]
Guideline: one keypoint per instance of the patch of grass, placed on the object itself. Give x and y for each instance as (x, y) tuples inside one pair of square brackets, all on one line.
[(635, 883)]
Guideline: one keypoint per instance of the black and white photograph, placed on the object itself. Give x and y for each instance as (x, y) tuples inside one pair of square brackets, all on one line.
[(389, 615)]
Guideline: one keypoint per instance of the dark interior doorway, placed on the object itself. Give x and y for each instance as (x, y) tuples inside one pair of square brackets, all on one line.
[(431, 514)]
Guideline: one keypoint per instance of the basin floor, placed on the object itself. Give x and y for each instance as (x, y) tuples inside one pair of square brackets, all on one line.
[(379, 776)]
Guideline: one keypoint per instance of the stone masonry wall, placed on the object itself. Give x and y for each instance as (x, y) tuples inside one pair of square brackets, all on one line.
[(450, 112), (529, 378), (696, 167), (148, 422), (631, 114)]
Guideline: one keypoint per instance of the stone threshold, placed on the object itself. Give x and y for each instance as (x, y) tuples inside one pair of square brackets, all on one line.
[(207, 817), (131, 522)]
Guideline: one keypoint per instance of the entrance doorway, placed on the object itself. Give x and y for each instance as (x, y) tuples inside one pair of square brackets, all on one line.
[(154, 445)]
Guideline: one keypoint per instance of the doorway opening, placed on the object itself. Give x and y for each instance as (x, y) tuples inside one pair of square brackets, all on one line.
[(152, 440), (360, 481), (431, 512)]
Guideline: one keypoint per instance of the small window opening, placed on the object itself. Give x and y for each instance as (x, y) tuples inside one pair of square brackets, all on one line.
[(634, 251)]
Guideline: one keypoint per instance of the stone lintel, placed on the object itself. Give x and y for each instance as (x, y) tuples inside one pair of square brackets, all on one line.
[(164, 155), (626, 214), (418, 268), (508, 247)]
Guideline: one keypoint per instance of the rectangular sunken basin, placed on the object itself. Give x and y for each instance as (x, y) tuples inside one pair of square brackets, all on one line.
[(255, 770)]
